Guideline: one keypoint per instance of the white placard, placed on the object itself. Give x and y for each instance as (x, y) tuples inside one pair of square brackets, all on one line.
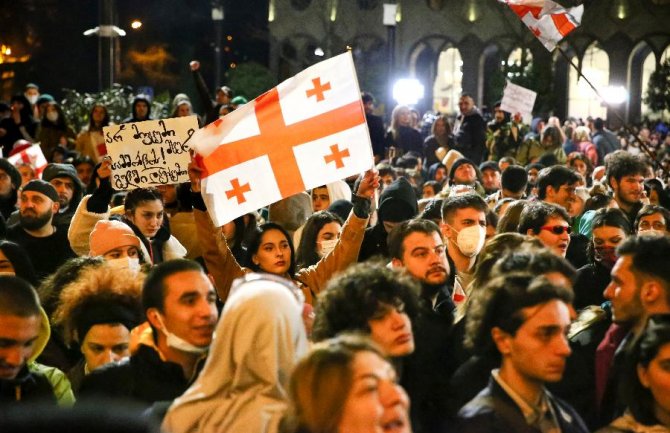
[(150, 153), (517, 99)]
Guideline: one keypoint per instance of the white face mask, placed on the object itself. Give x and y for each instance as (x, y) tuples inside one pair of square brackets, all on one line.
[(32, 99), (52, 116), (470, 240), (326, 247), (179, 343), (131, 263)]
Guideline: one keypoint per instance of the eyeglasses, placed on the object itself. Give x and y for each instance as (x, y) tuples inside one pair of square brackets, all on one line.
[(557, 230)]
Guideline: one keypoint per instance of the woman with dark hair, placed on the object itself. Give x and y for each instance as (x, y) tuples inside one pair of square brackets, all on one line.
[(271, 250), (20, 125), (346, 385), (610, 227), (14, 260), (144, 212), (319, 237), (440, 137), (54, 130), (509, 221), (582, 165), (646, 382), (656, 194), (90, 141)]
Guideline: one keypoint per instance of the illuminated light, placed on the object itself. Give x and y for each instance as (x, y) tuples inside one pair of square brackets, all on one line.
[(136, 24), (333, 11), (319, 52), (271, 11), (614, 95), (233, 65), (226, 49), (408, 91), (8, 51), (229, 38), (398, 13)]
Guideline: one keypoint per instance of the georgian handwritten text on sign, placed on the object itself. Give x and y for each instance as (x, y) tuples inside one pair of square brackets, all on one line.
[(151, 153), (517, 99)]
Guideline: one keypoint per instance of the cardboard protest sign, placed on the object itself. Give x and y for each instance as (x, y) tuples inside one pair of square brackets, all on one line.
[(517, 99), (150, 153)]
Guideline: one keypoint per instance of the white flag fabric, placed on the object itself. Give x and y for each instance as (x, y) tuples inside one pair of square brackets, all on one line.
[(30, 155), (307, 132), (549, 21)]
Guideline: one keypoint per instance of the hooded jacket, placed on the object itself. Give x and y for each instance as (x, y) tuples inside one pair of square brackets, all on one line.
[(133, 115), (397, 203), (53, 171), (36, 382)]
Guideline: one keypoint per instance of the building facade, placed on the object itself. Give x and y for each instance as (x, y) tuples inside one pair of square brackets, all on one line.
[(452, 46)]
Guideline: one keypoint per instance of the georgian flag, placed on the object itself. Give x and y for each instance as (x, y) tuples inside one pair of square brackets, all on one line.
[(549, 21), (32, 155), (308, 131)]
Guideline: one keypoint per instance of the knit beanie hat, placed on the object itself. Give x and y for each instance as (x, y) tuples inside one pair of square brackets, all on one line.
[(38, 185), (458, 163), (110, 234)]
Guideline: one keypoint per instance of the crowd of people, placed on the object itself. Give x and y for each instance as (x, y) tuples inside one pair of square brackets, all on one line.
[(485, 276)]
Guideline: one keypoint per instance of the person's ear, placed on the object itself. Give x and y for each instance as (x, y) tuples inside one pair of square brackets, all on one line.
[(153, 316), (130, 216), (55, 206), (650, 292), (396, 263), (254, 260), (445, 229), (643, 375), (502, 340)]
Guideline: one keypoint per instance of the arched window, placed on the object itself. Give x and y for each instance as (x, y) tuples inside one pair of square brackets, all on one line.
[(520, 61), (447, 87), (648, 67), (582, 100)]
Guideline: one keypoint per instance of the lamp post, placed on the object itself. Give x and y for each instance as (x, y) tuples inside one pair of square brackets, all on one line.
[(217, 17), (107, 33)]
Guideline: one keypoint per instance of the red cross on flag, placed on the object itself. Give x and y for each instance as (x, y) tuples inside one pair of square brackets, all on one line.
[(308, 131), (32, 155), (549, 21)]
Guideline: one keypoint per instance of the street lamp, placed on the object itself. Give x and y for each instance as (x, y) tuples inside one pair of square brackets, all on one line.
[(408, 91), (107, 33), (217, 17)]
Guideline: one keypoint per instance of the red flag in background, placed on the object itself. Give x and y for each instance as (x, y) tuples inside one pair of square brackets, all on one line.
[(549, 21)]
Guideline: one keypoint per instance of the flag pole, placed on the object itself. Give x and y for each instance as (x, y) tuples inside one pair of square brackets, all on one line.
[(642, 145)]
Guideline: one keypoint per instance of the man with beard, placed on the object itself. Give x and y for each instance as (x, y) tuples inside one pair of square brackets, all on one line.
[(470, 130), (46, 244), (64, 179), (417, 247), (10, 181), (625, 176)]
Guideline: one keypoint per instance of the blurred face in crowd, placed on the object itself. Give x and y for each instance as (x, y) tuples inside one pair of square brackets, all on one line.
[(654, 223), (328, 232), (375, 403), (168, 192), (656, 378), (629, 189), (5, 184), (554, 235), (491, 180), (274, 253), (36, 210), (428, 191), (27, 173), (105, 343), (465, 104), (65, 189), (391, 329), (440, 127), (148, 217), (465, 174), (605, 241), (424, 257), (532, 176), (499, 115), (404, 117), (184, 109), (98, 114), (320, 199), (121, 252), (624, 293), (85, 173), (563, 196), (17, 342), (141, 109), (537, 352), (6, 266)]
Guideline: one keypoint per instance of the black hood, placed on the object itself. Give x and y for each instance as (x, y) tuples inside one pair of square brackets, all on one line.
[(398, 202)]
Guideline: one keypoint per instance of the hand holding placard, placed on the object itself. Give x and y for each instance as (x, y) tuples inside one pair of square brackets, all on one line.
[(151, 153)]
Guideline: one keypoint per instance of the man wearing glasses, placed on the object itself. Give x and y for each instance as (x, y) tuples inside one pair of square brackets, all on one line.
[(549, 223)]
